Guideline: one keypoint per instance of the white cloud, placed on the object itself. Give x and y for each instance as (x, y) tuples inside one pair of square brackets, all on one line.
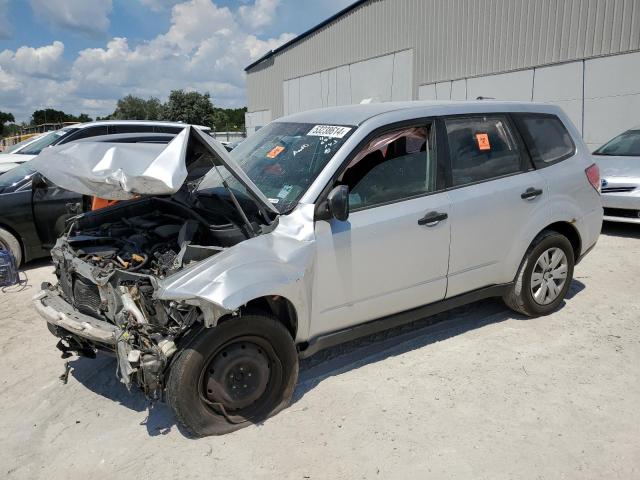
[(260, 14), (158, 5), (205, 48), (5, 26), (38, 62), (87, 16)]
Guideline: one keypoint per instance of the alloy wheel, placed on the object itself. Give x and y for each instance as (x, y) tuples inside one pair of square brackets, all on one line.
[(549, 275)]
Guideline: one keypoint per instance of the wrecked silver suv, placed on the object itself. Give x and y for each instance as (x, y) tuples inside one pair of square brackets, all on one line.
[(322, 227)]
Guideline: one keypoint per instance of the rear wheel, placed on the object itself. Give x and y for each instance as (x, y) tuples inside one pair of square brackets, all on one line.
[(10, 243), (241, 372), (544, 276)]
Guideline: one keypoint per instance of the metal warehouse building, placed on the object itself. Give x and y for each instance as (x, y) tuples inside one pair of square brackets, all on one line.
[(580, 54)]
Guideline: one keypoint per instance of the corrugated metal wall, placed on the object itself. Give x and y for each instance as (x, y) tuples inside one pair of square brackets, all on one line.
[(454, 39)]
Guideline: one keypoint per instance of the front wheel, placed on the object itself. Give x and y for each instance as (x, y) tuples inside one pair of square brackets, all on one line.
[(240, 372), (544, 276), (10, 243)]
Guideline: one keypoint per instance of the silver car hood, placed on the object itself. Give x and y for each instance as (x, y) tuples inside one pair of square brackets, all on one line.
[(121, 171), (612, 166)]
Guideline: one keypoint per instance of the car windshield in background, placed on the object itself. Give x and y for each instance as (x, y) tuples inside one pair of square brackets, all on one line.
[(16, 176), (626, 144), (13, 148), (46, 140), (283, 159)]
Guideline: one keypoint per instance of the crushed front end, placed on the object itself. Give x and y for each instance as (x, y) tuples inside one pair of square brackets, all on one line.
[(108, 266)]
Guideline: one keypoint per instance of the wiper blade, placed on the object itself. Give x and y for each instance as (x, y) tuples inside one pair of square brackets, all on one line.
[(235, 202)]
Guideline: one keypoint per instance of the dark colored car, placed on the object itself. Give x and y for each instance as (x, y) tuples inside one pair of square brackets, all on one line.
[(33, 211)]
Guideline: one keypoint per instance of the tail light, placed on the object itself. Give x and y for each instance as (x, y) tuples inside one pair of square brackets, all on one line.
[(593, 175)]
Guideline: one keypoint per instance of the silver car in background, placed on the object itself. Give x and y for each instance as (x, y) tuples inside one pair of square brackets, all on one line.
[(619, 162)]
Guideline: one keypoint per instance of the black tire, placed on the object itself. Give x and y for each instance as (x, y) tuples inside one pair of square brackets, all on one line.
[(219, 353), (520, 297), (11, 243)]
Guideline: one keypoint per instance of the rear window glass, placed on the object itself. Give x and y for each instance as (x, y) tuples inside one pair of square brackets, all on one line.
[(547, 138)]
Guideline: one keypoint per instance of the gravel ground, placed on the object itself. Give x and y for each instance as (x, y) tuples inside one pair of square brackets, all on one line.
[(478, 393)]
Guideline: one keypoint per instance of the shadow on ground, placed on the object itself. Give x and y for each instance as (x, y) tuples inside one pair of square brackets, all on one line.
[(99, 375), (628, 230)]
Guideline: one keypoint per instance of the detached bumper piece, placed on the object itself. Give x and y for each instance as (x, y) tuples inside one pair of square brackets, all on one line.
[(61, 315)]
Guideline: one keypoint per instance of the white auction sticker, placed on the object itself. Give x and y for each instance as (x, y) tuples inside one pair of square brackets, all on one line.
[(332, 131)]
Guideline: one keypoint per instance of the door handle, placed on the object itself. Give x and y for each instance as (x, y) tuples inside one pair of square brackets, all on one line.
[(432, 218), (531, 193)]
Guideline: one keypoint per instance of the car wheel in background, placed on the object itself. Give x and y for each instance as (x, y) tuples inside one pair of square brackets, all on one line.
[(544, 276), (238, 373), (11, 243)]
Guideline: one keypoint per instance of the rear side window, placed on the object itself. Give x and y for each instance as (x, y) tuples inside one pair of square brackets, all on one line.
[(481, 148), (85, 133), (168, 129), (546, 137), (131, 128)]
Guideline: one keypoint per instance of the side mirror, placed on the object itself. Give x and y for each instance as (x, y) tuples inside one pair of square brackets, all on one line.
[(338, 202)]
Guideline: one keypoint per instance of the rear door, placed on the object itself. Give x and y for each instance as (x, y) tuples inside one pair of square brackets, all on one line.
[(496, 195)]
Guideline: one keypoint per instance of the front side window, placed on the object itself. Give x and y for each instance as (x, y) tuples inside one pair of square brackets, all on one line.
[(481, 148), (547, 138), (282, 160), (626, 144), (397, 165)]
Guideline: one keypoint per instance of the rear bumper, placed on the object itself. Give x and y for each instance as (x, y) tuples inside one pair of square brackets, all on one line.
[(59, 313)]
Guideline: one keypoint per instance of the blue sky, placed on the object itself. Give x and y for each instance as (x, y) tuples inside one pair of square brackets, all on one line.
[(82, 55)]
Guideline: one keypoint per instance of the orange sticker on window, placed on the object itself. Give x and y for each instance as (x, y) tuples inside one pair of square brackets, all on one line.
[(483, 141), (275, 151)]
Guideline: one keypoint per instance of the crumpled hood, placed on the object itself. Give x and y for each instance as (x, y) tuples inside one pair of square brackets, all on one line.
[(612, 166), (121, 171)]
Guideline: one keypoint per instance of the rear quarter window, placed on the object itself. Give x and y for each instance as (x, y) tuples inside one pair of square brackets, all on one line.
[(546, 138)]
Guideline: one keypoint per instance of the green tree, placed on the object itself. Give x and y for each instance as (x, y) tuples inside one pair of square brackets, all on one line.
[(229, 119), (50, 115), (5, 117), (189, 107), (136, 108), (83, 117)]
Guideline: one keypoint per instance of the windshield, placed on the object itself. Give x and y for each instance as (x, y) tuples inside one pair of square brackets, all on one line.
[(44, 141), (17, 146), (283, 159), (16, 176), (626, 144)]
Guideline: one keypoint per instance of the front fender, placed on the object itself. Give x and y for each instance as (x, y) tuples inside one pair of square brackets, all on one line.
[(276, 263)]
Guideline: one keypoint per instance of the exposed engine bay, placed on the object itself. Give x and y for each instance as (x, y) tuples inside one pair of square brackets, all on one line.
[(108, 264)]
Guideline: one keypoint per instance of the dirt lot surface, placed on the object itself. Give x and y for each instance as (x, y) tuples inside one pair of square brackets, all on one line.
[(480, 394)]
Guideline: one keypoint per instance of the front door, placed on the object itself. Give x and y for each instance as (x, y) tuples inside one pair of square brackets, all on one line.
[(392, 253)]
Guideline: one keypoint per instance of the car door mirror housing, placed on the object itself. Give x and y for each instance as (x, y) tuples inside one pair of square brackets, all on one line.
[(338, 202)]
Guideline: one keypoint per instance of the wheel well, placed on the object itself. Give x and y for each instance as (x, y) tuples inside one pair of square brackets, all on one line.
[(280, 307), (569, 231)]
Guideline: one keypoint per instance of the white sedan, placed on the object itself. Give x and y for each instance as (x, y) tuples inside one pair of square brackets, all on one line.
[(619, 162)]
